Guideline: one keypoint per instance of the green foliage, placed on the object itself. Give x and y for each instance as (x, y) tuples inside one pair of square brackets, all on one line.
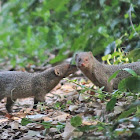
[(111, 104), (31, 28), (47, 125), (59, 105), (60, 126), (25, 121), (69, 102), (116, 58), (131, 84), (134, 54), (101, 94), (76, 121), (86, 128), (113, 75), (132, 72), (129, 115)]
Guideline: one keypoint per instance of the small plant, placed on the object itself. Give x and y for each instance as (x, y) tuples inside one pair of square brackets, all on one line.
[(59, 105), (131, 83), (46, 125), (116, 58)]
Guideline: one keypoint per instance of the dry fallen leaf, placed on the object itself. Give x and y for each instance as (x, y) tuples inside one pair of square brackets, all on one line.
[(14, 125), (77, 134), (47, 119), (68, 131), (3, 120), (83, 97), (37, 117), (67, 88), (33, 133), (61, 118), (73, 107)]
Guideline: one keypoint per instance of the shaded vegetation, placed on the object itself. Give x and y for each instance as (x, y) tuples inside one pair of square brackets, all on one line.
[(30, 29)]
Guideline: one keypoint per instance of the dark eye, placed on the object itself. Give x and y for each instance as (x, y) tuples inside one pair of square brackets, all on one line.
[(86, 59), (79, 59)]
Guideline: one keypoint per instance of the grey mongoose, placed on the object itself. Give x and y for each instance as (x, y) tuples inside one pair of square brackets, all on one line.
[(14, 84), (99, 73)]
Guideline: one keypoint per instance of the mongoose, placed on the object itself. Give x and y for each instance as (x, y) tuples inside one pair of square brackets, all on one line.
[(99, 73), (14, 84)]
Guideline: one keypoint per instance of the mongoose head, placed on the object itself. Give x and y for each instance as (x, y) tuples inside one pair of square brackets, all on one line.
[(65, 69), (84, 60)]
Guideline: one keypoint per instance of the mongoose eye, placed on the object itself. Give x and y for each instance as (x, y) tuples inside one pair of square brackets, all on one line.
[(79, 59)]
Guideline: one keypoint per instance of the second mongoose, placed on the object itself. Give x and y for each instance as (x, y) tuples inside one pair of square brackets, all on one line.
[(14, 84), (99, 73)]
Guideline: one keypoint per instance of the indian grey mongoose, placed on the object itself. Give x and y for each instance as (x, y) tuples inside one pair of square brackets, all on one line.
[(99, 73), (15, 84)]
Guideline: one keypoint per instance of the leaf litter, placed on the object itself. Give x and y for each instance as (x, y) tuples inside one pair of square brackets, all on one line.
[(65, 101)]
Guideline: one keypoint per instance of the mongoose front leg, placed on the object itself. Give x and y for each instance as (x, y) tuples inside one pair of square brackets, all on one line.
[(38, 98), (35, 103), (9, 104)]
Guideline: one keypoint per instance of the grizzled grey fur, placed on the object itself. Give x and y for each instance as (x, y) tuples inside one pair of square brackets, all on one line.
[(14, 84), (99, 73)]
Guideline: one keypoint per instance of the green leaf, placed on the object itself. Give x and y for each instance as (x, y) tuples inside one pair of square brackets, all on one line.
[(86, 128), (118, 42), (106, 57), (126, 15), (69, 102), (76, 121), (25, 121), (127, 113), (123, 120), (131, 84), (113, 75), (135, 54), (57, 105), (135, 121), (110, 105), (132, 72), (46, 124), (103, 31), (60, 126), (56, 5)]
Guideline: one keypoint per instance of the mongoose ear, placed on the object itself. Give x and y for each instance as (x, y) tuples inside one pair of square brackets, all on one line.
[(90, 53), (57, 72)]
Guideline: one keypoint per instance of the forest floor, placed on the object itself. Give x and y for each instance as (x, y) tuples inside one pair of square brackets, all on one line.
[(65, 101), (62, 103)]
